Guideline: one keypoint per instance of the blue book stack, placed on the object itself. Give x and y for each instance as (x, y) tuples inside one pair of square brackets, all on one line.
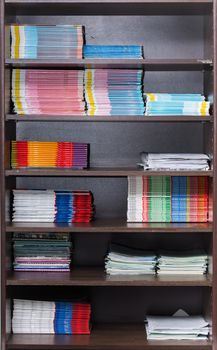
[(113, 51)]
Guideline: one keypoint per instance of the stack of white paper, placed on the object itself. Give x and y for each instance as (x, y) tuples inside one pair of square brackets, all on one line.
[(128, 261), (34, 205), (194, 262), (174, 161), (180, 326)]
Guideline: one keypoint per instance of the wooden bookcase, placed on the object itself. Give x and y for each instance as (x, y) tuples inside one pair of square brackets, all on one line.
[(180, 46)]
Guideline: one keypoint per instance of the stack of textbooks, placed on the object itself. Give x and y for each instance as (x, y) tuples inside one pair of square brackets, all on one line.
[(168, 199), (38, 154), (113, 51), (55, 92), (46, 41), (123, 260), (41, 252), (176, 104), (192, 262), (180, 326), (50, 317), (174, 161), (52, 206), (114, 92)]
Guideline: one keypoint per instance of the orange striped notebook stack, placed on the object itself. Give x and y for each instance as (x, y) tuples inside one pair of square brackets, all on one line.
[(38, 154)]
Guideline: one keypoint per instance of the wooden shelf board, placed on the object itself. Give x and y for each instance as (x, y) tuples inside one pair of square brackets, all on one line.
[(106, 337), (108, 7), (103, 172), (109, 225), (147, 64), (134, 119), (95, 276)]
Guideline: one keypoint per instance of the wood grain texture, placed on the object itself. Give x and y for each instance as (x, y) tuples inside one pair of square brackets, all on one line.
[(96, 276), (110, 225)]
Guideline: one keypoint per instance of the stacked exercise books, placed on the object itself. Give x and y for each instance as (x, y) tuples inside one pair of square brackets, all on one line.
[(42, 252), (192, 262), (52, 206), (55, 92), (174, 161), (38, 154), (46, 41), (168, 199), (114, 92), (180, 326), (113, 51), (128, 261), (50, 317), (176, 104)]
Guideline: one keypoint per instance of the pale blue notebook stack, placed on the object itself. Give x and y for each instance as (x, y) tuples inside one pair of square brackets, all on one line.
[(176, 104)]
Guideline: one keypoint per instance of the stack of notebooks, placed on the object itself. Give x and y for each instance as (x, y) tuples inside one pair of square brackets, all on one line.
[(52, 206), (46, 41), (113, 51), (38, 154), (174, 161), (42, 252), (176, 104), (168, 199), (128, 261), (180, 326), (47, 317), (114, 92), (55, 92), (193, 262)]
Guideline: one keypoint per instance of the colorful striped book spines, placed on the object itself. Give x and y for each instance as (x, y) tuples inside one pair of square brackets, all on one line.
[(48, 154)]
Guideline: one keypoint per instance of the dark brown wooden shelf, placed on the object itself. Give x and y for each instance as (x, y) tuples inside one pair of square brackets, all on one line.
[(134, 119), (107, 337), (147, 64), (103, 172), (110, 225), (86, 276), (108, 7)]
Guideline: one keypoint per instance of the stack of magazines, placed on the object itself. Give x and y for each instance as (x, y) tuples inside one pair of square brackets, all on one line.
[(42, 252), (55, 92), (46, 41), (168, 199), (192, 262), (123, 260), (50, 317), (38, 154), (113, 51), (180, 326), (114, 92), (52, 206), (174, 161), (176, 104)]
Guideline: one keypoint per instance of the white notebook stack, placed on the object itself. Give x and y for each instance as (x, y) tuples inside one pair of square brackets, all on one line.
[(180, 326), (122, 260), (174, 161), (194, 262)]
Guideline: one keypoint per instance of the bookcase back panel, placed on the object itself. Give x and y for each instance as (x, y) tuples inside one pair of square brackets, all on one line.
[(158, 34), (124, 305), (118, 144)]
